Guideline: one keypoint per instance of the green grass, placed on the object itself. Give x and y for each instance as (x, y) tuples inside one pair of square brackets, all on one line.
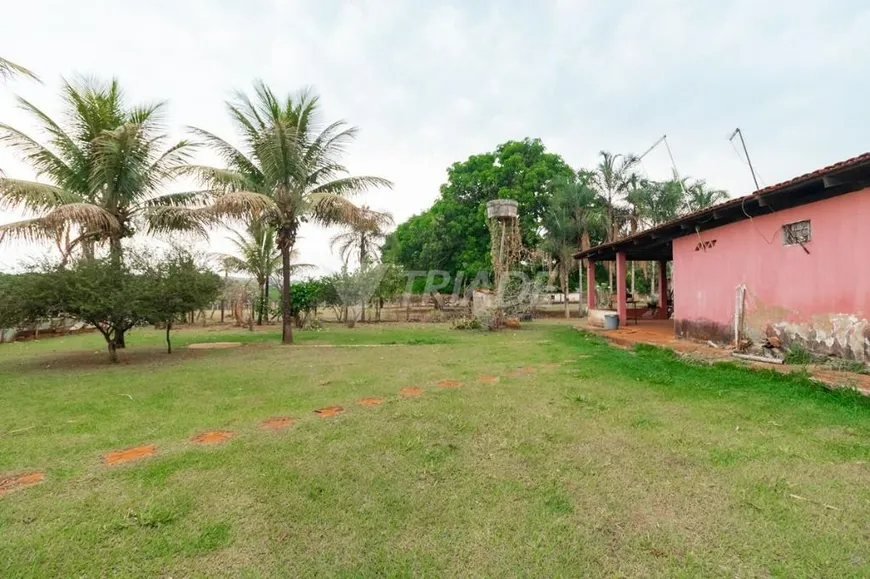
[(620, 463)]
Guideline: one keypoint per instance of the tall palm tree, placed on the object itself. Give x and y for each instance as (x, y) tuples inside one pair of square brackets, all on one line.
[(576, 208), (363, 239), (561, 238), (9, 69), (290, 163), (611, 178), (104, 170), (257, 255)]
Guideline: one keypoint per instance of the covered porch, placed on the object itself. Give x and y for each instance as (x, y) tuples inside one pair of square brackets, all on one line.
[(629, 308)]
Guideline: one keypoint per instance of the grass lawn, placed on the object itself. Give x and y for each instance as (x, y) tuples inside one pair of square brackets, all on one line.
[(618, 463)]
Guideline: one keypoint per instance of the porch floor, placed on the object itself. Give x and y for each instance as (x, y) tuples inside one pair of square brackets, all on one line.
[(659, 333)]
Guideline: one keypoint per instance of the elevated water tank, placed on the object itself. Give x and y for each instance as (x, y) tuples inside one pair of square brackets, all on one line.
[(502, 209)]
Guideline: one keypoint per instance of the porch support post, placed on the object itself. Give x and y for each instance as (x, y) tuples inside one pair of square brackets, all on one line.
[(621, 297), (590, 285), (663, 286)]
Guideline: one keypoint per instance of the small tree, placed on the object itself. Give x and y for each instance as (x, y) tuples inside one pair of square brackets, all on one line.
[(306, 295), (175, 286), (111, 297), (100, 292)]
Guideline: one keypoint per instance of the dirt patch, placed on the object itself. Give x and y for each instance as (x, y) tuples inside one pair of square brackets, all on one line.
[(488, 379), (518, 373), (212, 437), (449, 384), (276, 423), (132, 356), (129, 455), (214, 345), (413, 391), (550, 365), (329, 411), (371, 401), (19, 481), (528, 369)]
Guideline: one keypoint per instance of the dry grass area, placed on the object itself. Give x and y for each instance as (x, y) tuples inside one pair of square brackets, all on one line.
[(616, 463)]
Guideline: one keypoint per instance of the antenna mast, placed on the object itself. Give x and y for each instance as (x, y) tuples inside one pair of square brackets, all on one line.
[(736, 132)]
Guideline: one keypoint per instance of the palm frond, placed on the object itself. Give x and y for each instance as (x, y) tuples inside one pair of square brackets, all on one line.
[(351, 185), (87, 216), (186, 199), (43, 160), (333, 209), (238, 204), (33, 196), (9, 69), (172, 219), (232, 156), (219, 180)]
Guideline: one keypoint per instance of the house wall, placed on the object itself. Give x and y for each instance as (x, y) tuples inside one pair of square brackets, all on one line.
[(820, 300)]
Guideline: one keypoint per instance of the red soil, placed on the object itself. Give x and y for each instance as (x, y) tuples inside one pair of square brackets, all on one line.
[(20, 481), (329, 411), (528, 369), (488, 379), (212, 437), (449, 384), (410, 391), (276, 423), (371, 401), (129, 455)]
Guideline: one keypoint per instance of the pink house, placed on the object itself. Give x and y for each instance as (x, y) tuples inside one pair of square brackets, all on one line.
[(790, 261)]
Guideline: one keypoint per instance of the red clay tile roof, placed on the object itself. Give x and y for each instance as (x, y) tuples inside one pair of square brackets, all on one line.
[(824, 171)]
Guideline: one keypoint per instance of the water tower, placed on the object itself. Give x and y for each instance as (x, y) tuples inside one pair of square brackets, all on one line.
[(506, 244)]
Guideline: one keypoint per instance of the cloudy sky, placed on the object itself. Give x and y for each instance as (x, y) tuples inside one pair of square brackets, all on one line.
[(430, 83)]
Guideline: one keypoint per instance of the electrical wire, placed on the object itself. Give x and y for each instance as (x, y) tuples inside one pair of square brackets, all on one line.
[(745, 162)]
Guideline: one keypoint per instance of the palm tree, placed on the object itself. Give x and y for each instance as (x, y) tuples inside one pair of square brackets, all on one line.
[(611, 178), (561, 238), (105, 170), (9, 69), (258, 257), (364, 238), (699, 196), (290, 164)]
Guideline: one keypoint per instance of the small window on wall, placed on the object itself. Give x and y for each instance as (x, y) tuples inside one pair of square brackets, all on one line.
[(796, 233)]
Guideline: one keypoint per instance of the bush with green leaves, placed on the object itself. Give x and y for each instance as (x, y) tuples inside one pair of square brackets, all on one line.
[(112, 296)]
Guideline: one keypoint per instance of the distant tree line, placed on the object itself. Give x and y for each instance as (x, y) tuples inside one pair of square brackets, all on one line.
[(562, 210)]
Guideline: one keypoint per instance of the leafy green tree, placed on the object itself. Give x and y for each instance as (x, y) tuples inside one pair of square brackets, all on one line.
[(453, 234), (173, 287), (392, 283), (110, 296), (306, 295), (288, 169), (99, 292)]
